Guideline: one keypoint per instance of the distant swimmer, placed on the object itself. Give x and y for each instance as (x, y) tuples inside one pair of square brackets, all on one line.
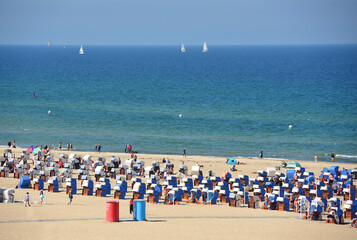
[(290, 126), (34, 95), (49, 112), (180, 115)]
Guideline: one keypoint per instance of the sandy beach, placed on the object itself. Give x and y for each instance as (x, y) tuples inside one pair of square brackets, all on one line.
[(85, 218)]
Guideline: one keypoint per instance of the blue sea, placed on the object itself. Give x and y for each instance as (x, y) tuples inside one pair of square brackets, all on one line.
[(234, 100)]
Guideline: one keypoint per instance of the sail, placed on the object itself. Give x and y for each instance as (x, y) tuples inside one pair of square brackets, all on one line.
[(49, 43), (205, 49), (183, 48), (81, 50)]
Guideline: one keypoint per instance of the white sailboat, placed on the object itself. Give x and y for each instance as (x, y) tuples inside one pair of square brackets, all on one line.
[(81, 50), (49, 43), (183, 48), (205, 49)]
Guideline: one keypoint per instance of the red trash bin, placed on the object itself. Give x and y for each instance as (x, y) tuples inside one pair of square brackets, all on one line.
[(112, 211)]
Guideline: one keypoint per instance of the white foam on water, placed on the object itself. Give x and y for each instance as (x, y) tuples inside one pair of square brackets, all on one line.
[(346, 156)]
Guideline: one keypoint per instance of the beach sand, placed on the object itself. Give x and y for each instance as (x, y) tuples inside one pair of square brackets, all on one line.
[(85, 218)]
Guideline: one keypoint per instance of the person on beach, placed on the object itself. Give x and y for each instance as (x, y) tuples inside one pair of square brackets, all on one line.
[(27, 199), (70, 195), (131, 209), (129, 148), (70, 146), (60, 163), (266, 203), (184, 153), (42, 196), (95, 148), (333, 217), (233, 169), (99, 147), (332, 157), (67, 146), (165, 175), (9, 143), (60, 145), (13, 144), (335, 188), (315, 158), (126, 149), (322, 179), (296, 205), (261, 154)]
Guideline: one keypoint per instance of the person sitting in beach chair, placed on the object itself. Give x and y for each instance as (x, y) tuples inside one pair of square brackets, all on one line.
[(266, 205), (333, 217), (194, 197), (313, 212), (340, 190)]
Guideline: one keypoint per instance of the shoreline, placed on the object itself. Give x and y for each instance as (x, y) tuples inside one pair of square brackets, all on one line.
[(213, 162)]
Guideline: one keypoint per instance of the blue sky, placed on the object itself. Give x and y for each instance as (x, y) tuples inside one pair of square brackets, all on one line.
[(170, 22)]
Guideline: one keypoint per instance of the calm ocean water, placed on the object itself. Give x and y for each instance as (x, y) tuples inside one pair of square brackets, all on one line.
[(234, 100)]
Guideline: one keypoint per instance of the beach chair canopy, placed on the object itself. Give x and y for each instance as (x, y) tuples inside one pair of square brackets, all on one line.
[(293, 164), (310, 179), (231, 161), (30, 149), (35, 151)]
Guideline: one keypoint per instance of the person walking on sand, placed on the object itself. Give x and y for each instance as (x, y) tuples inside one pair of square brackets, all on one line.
[(315, 158), (95, 148), (332, 157), (99, 147), (67, 146), (184, 153), (42, 196), (70, 195), (27, 199), (131, 206), (261, 154), (60, 145)]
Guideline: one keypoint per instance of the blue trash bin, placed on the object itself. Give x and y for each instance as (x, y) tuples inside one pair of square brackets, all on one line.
[(139, 210)]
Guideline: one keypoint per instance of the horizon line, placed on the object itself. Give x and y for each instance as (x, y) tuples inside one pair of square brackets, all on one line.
[(168, 45)]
